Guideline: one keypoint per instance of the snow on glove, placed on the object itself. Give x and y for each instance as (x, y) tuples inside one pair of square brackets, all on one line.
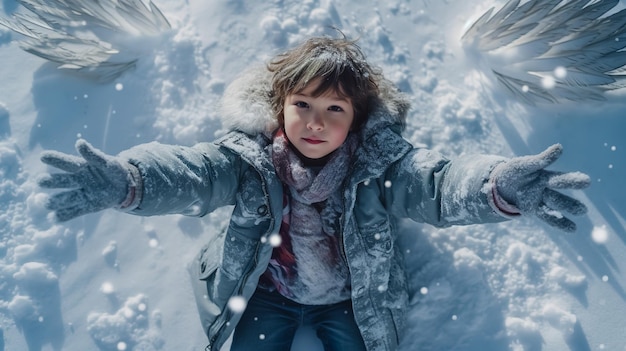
[(524, 183), (97, 181)]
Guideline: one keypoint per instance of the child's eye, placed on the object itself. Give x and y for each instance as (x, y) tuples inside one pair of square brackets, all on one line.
[(335, 108), (301, 104)]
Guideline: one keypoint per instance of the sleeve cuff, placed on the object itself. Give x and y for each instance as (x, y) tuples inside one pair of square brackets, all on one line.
[(500, 205), (135, 190)]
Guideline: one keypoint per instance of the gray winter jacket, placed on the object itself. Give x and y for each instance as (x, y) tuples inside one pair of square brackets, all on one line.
[(389, 180)]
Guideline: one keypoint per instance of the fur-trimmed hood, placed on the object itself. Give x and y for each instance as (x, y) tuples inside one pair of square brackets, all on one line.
[(246, 106)]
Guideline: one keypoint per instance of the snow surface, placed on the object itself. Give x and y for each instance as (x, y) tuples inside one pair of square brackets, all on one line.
[(112, 281)]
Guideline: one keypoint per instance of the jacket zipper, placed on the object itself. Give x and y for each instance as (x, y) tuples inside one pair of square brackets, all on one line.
[(342, 248), (216, 328)]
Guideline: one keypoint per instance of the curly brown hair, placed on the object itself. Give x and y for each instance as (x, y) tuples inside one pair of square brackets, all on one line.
[(338, 61)]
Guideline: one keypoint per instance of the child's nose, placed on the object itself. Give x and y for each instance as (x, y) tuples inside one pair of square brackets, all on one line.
[(316, 122)]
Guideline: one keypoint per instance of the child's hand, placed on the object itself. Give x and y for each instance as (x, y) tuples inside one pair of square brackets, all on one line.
[(97, 180), (524, 183)]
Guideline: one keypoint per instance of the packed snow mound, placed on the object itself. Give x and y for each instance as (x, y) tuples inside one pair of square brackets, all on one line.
[(552, 50), (97, 38), (128, 328)]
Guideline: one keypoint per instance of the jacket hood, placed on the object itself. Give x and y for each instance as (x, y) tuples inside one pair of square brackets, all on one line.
[(246, 107)]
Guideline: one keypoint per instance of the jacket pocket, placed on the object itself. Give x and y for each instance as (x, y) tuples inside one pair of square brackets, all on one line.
[(238, 253), (251, 214), (203, 271), (209, 257), (398, 320), (377, 239), (372, 220)]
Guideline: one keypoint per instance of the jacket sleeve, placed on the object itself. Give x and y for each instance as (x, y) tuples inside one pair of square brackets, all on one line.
[(184, 180), (427, 187)]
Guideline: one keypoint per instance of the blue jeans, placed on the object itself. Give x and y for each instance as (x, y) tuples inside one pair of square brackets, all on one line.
[(270, 322)]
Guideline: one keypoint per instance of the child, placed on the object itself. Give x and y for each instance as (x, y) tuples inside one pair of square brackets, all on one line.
[(318, 174)]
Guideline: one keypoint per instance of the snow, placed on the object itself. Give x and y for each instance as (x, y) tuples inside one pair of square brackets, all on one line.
[(112, 281), (237, 304)]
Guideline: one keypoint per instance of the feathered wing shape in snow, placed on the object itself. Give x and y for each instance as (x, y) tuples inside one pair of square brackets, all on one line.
[(92, 37), (552, 50)]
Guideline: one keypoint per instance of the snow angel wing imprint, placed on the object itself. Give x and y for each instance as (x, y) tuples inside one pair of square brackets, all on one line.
[(549, 51), (98, 39)]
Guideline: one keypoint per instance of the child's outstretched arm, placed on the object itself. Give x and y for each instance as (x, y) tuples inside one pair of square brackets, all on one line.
[(522, 185), (96, 181), (427, 187), (148, 179)]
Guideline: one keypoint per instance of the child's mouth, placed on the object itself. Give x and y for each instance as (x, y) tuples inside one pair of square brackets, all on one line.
[(313, 141)]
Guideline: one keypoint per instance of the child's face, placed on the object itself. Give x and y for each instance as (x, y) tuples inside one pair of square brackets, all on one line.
[(317, 126)]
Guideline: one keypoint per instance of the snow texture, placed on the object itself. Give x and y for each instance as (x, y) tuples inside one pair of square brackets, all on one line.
[(519, 285)]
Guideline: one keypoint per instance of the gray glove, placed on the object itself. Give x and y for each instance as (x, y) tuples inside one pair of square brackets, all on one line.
[(98, 181), (524, 183)]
